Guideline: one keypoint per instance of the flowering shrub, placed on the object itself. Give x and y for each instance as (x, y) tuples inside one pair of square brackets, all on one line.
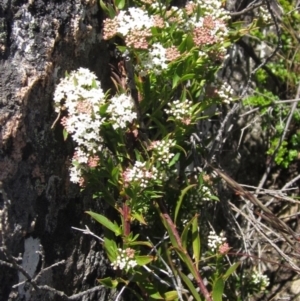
[(135, 145)]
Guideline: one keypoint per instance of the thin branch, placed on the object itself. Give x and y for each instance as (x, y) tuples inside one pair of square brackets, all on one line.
[(88, 232), (250, 7), (290, 183), (268, 169), (169, 272)]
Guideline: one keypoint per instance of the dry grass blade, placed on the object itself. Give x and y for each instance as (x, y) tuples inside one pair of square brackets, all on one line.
[(266, 213)]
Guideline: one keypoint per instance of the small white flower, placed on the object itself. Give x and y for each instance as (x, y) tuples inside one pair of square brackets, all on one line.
[(260, 280), (215, 240), (121, 111), (125, 260), (225, 92)]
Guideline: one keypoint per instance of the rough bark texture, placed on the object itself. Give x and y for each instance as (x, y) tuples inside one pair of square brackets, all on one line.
[(39, 42)]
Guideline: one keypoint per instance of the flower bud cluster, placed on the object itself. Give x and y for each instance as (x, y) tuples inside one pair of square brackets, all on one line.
[(215, 241), (141, 174), (136, 25), (162, 150), (125, 260), (181, 110)]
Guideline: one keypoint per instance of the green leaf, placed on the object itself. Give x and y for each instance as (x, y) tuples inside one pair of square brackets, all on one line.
[(120, 4), (144, 259), (187, 77), (184, 234), (65, 134), (218, 288), (111, 248), (174, 160), (156, 296), (180, 199), (196, 241), (140, 243), (108, 9), (105, 222), (231, 270), (169, 296), (190, 286), (161, 126), (108, 282), (176, 80), (139, 217), (181, 148), (170, 231), (108, 197), (187, 260)]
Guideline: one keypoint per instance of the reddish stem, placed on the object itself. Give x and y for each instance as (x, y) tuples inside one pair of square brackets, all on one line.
[(170, 222), (126, 219)]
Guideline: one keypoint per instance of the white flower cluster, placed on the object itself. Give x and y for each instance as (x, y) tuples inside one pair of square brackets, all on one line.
[(214, 240), (264, 13), (162, 150), (225, 92), (201, 196), (125, 260), (154, 60), (121, 111), (212, 8), (82, 96), (157, 5), (79, 85), (133, 19), (141, 174), (260, 280), (181, 111), (77, 169)]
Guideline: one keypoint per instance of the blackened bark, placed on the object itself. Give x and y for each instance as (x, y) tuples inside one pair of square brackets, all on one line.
[(39, 42)]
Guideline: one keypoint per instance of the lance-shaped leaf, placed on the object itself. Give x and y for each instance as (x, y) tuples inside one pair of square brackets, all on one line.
[(196, 241), (180, 199), (144, 259), (111, 248), (138, 217), (108, 9), (140, 243), (184, 234), (190, 286), (170, 296), (187, 261), (218, 288), (170, 232), (231, 270), (105, 222), (108, 282), (120, 4)]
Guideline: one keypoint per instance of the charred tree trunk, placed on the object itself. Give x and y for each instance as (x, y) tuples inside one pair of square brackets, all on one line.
[(39, 42)]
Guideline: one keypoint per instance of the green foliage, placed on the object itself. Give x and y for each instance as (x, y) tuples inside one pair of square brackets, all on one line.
[(285, 68)]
